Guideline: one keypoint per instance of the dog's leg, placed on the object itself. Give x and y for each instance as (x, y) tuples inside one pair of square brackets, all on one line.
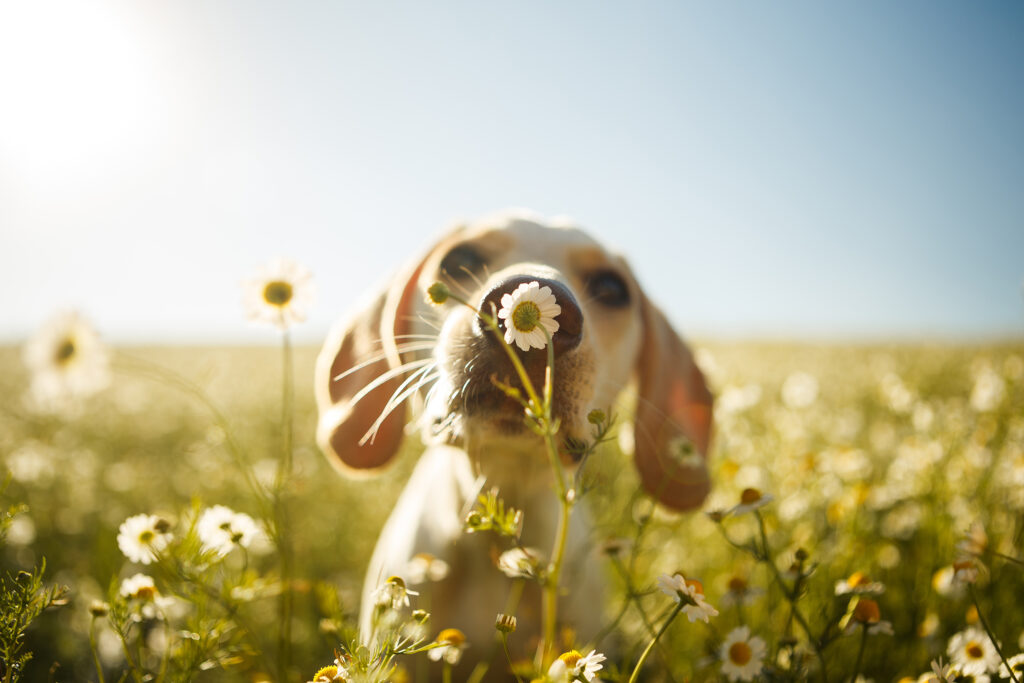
[(427, 519)]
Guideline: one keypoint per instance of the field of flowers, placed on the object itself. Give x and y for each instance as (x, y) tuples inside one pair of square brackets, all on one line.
[(867, 520)]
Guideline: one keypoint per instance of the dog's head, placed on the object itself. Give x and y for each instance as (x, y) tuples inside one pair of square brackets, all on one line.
[(400, 347)]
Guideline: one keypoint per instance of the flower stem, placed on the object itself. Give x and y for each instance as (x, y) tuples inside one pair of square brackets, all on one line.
[(860, 652), (508, 656), (650, 645), (791, 597), (95, 651), (281, 517), (991, 636)]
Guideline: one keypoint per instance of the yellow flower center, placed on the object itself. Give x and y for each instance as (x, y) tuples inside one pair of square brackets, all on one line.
[(737, 584), (397, 581), (694, 583), (570, 659), (65, 352), (526, 316), (750, 496), (858, 579), (145, 593), (740, 653), (146, 537), (451, 636), (328, 673), (974, 650), (278, 293), (867, 612)]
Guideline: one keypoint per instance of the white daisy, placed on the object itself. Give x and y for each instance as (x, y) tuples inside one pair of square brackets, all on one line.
[(525, 311), (742, 655), (393, 593), (690, 592), (141, 537), (519, 563), (425, 567), (281, 294), (859, 584), (740, 592), (139, 587), (1016, 663), (67, 361), (221, 529), (452, 642), (750, 499), (146, 598), (971, 652), (572, 664)]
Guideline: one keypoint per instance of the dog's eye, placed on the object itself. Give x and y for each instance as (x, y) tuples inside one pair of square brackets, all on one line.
[(462, 261), (608, 288)]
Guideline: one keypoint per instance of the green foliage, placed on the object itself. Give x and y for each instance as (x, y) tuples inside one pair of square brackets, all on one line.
[(882, 471), (23, 597), (490, 514)]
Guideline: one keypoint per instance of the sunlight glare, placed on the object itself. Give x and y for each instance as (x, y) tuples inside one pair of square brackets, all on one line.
[(79, 98)]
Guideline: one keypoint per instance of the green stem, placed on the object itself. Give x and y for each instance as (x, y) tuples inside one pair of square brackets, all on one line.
[(790, 597), (446, 674), (550, 594), (95, 652), (991, 636), (508, 656), (860, 652), (650, 645), (284, 542)]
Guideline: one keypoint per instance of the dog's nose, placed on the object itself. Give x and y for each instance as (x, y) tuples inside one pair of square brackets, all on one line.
[(570, 318)]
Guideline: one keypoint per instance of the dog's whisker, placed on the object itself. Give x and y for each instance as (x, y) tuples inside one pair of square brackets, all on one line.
[(389, 375), (408, 380), (456, 283), (420, 318), (394, 403), (383, 356)]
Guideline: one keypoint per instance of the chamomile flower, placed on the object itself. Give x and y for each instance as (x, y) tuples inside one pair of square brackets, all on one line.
[(572, 664), (221, 529), (281, 294), (859, 584), (519, 563), (1016, 663), (141, 537), (393, 593), (868, 616), (742, 655), (740, 592), (751, 499), (527, 310), (974, 542), (425, 567), (66, 361), (452, 642), (690, 592), (971, 652), (966, 570), (141, 590)]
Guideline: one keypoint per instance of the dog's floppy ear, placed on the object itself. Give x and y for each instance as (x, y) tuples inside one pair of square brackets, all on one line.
[(673, 412), (346, 417)]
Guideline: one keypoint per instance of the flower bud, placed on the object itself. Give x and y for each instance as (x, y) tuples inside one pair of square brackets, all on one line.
[(505, 623), (438, 293)]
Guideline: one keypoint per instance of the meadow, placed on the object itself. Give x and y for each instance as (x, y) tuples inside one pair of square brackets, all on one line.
[(867, 513)]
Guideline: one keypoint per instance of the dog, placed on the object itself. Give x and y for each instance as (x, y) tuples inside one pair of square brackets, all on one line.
[(399, 349)]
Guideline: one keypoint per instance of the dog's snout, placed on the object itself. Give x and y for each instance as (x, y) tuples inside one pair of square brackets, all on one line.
[(570, 318)]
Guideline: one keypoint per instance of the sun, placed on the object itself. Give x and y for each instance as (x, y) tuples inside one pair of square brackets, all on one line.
[(78, 89)]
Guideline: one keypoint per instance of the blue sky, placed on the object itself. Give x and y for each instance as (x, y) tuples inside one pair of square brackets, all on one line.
[(791, 169)]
